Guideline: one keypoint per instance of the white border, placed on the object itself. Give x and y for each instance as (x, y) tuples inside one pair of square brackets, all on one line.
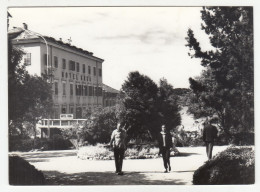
[(4, 4)]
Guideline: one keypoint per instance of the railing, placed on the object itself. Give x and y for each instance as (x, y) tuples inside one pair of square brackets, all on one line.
[(58, 123)]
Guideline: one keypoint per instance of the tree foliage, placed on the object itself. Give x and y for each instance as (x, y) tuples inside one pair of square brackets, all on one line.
[(147, 106), (29, 96), (225, 88), (98, 127)]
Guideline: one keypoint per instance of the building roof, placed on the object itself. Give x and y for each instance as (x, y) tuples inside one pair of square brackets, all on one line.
[(19, 33), (109, 89)]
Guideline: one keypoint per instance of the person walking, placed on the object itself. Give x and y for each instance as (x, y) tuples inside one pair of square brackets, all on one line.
[(118, 143), (165, 145), (209, 135)]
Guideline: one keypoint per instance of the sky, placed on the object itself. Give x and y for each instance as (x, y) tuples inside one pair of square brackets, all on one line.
[(150, 40)]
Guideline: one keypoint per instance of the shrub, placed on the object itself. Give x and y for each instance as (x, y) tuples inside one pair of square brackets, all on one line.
[(28, 144), (23, 173), (189, 138), (101, 152), (95, 152), (243, 138), (235, 165), (131, 152)]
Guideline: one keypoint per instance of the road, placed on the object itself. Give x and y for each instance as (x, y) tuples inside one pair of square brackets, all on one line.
[(64, 168)]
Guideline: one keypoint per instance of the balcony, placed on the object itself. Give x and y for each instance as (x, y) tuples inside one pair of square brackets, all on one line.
[(58, 123)]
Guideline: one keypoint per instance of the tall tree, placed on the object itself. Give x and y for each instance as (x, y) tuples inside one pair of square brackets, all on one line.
[(225, 88), (29, 97), (147, 106)]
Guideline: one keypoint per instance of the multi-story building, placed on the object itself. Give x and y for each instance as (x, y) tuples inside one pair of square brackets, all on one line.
[(76, 73), (110, 96)]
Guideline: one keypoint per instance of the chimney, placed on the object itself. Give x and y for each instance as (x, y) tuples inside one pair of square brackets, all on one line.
[(25, 26), (60, 39)]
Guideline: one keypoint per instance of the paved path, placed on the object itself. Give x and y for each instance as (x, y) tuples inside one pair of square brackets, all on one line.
[(64, 168)]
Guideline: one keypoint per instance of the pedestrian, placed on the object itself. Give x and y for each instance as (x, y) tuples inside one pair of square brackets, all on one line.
[(165, 145), (209, 135), (118, 142)]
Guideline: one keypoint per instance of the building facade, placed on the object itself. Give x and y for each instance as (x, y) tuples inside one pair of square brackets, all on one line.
[(76, 74), (110, 96)]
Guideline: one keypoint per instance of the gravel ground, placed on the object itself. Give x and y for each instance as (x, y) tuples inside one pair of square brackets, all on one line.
[(64, 168)]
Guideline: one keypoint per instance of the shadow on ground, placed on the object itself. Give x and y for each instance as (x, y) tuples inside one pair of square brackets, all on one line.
[(48, 154), (183, 154), (105, 178)]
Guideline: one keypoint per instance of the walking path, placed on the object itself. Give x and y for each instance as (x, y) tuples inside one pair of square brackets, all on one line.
[(64, 168)]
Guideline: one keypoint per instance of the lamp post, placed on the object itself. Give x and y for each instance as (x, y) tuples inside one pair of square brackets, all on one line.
[(47, 54)]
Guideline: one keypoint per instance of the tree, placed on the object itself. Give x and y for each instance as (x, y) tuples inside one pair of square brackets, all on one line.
[(168, 105), (147, 106), (225, 88), (30, 97), (98, 127)]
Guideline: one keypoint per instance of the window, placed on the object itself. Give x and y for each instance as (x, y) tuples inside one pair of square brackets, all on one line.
[(86, 90), (55, 62), (99, 91), (45, 59), (71, 110), (100, 72), (56, 88), (76, 89), (83, 68), (64, 88), (80, 89), (63, 63), (71, 89), (90, 90), (63, 110), (73, 76), (27, 59), (95, 91), (77, 67), (66, 75), (62, 74), (94, 71), (72, 65), (89, 70)]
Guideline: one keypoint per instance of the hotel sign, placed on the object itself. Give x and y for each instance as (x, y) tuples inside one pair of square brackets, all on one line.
[(66, 116)]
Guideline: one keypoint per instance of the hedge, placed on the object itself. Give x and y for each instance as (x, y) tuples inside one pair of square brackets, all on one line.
[(235, 165), (27, 144), (23, 173)]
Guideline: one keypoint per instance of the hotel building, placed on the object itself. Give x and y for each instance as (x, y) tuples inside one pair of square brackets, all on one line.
[(76, 74)]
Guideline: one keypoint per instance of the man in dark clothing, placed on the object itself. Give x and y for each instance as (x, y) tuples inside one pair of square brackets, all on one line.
[(209, 135), (165, 145), (118, 142)]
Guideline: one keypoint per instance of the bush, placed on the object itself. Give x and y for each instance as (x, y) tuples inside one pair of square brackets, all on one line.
[(243, 138), (95, 152), (101, 152), (28, 144), (189, 138), (235, 165), (23, 173)]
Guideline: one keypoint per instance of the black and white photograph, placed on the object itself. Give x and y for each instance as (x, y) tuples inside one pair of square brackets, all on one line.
[(130, 95)]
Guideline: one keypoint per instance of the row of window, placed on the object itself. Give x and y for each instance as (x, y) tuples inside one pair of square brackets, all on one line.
[(75, 76), (79, 90), (73, 66)]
